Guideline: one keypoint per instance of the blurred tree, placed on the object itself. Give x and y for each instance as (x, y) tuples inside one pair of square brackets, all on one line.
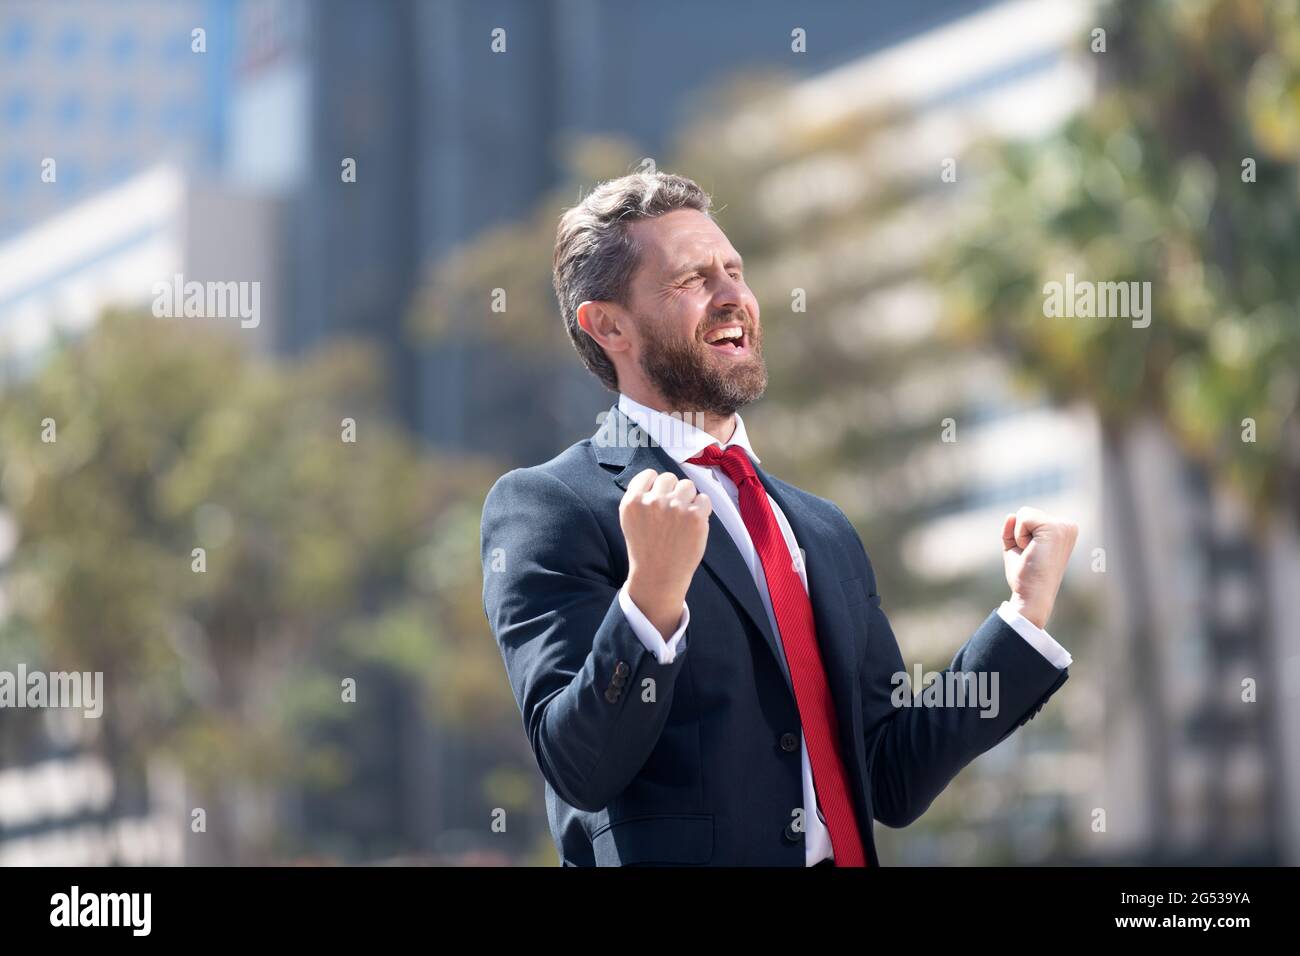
[(1181, 173), (323, 558)]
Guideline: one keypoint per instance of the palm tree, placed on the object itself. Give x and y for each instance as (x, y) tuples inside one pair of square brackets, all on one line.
[(1182, 174)]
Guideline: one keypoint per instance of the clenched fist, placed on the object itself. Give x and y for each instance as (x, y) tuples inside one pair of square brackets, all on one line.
[(666, 525), (1035, 549)]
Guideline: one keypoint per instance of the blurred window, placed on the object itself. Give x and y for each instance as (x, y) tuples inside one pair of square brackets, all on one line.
[(122, 113), (71, 176), (71, 110), (18, 37), (175, 116), (71, 43), (175, 47), (123, 47), (17, 176), (17, 108)]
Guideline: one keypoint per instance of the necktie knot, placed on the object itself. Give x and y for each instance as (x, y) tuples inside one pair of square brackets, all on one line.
[(734, 462)]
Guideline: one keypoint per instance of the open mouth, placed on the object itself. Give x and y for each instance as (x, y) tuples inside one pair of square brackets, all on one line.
[(728, 339)]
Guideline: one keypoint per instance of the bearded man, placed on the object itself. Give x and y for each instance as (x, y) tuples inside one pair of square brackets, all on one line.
[(699, 653)]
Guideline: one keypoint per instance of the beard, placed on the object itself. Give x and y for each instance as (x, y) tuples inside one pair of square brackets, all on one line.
[(691, 378)]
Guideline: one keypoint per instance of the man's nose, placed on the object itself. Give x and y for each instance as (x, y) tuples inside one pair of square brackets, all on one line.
[(731, 294)]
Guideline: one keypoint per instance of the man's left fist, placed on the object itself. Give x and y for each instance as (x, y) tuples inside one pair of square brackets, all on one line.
[(1035, 549)]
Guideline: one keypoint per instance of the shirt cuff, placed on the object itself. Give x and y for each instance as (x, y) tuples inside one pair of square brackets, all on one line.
[(665, 651), (1038, 639)]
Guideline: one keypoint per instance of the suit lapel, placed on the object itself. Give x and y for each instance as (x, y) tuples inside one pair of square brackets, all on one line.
[(622, 445)]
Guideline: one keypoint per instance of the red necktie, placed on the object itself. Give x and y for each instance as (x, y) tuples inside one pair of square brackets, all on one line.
[(794, 619)]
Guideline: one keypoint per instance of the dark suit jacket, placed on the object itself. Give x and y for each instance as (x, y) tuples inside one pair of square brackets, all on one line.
[(697, 761)]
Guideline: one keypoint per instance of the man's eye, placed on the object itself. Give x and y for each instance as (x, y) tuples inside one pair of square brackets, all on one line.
[(735, 273)]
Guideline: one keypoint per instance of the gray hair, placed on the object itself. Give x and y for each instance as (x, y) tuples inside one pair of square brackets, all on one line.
[(595, 257)]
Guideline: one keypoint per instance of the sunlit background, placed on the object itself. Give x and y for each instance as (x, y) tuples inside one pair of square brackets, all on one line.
[(903, 180)]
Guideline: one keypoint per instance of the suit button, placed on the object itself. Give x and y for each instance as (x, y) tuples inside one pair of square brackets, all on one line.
[(612, 694), (791, 834), (789, 743), (621, 669)]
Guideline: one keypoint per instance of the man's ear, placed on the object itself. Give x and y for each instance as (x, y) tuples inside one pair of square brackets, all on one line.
[(605, 324)]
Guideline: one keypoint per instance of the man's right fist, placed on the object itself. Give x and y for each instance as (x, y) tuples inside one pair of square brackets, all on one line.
[(666, 525)]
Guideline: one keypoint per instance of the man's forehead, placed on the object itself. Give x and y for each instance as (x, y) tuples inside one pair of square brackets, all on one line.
[(677, 237)]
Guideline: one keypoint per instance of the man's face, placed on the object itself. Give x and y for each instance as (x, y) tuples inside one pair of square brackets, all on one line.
[(697, 336)]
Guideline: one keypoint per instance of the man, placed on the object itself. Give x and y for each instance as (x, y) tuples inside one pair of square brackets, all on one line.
[(703, 666)]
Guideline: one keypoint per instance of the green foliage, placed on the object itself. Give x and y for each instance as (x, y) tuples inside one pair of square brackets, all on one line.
[(171, 438), (1149, 183)]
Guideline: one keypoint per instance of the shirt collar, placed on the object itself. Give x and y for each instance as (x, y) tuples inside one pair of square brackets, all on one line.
[(677, 435)]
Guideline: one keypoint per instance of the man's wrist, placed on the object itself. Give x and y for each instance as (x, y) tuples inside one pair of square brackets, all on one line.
[(1032, 615), (664, 611)]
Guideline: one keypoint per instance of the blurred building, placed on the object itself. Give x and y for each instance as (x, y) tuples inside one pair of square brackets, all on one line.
[(1200, 741), (114, 249), (62, 805), (105, 90), (450, 138)]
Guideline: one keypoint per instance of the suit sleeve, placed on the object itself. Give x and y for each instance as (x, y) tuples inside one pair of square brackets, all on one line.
[(914, 752), (593, 699), (1038, 638)]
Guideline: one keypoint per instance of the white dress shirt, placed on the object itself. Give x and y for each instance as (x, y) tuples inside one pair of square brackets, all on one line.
[(681, 441)]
